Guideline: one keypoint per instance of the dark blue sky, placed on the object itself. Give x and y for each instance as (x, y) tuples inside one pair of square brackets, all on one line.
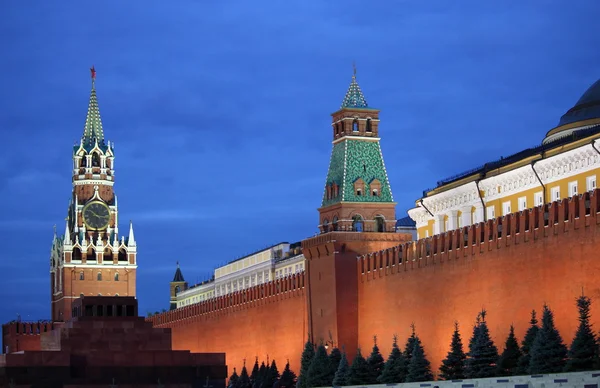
[(220, 113)]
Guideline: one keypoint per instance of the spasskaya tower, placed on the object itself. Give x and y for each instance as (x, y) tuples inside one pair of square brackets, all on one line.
[(92, 258)]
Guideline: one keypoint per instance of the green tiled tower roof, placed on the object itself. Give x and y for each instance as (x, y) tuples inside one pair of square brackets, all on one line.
[(354, 97), (93, 123), (353, 159)]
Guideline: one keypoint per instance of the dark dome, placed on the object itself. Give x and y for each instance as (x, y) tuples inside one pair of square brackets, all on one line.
[(588, 107)]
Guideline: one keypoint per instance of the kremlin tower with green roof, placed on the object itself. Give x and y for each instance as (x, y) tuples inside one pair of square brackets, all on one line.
[(357, 195), (92, 258)]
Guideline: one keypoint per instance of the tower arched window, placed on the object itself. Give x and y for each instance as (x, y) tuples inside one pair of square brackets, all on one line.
[(95, 160), (99, 276), (91, 255), (334, 223), (355, 126), (82, 161), (107, 255), (325, 225), (177, 290), (368, 129), (122, 255), (379, 224), (357, 223), (76, 254), (337, 129), (116, 277), (81, 275)]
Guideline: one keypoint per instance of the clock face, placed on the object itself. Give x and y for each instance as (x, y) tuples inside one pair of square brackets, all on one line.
[(96, 215)]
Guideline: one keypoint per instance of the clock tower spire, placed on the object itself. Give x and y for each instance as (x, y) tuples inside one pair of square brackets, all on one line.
[(91, 258)]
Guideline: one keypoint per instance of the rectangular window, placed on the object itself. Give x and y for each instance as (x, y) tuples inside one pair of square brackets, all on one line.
[(538, 198), (591, 183), (506, 208), (491, 212), (555, 193), (572, 189), (522, 203)]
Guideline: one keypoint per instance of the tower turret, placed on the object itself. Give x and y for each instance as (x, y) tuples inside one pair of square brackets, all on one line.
[(357, 195), (177, 285), (93, 259)]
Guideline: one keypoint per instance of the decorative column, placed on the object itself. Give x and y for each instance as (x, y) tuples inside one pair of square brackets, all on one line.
[(466, 216), (453, 219), (438, 226), (478, 215)]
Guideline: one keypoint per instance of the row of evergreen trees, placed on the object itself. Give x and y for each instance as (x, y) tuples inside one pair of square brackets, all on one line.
[(542, 351), (265, 376)]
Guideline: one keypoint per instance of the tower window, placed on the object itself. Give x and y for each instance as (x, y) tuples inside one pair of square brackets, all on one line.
[(95, 160), (357, 223), (369, 125), (375, 186), (375, 193), (116, 277), (122, 255), (355, 126), (99, 277), (379, 224), (82, 161), (359, 187), (325, 225), (358, 192), (81, 276), (334, 223)]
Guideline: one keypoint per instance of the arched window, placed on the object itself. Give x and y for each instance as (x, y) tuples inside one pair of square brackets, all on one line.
[(99, 276), (91, 255), (334, 223), (95, 160), (81, 276), (379, 224), (337, 129), (355, 126), (357, 223), (116, 277), (368, 129), (177, 290), (107, 255), (326, 225), (122, 255), (76, 254), (82, 161)]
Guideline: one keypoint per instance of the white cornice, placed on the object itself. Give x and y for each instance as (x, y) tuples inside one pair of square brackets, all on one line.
[(356, 138), (81, 182), (99, 266)]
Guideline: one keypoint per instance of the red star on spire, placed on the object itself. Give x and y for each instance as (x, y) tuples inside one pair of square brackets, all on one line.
[(93, 71)]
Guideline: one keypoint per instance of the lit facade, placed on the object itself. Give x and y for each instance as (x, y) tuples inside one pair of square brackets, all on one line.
[(567, 163)]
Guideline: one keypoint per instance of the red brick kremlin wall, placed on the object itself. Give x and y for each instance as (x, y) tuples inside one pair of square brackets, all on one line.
[(267, 320), (508, 266)]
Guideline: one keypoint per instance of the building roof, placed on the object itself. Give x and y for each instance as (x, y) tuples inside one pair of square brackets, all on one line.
[(406, 222), (505, 161), (354, 96), (254, 253), (178, 275), (587, 107)]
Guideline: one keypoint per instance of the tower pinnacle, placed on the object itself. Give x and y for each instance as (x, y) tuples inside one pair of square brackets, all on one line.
[(93, 131), (354, 97)]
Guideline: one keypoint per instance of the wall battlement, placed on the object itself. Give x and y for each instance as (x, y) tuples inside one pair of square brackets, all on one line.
[(524, 227), (18, 336), (263, 293)]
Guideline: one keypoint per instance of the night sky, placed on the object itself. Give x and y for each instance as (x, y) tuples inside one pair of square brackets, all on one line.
[(220, 113)]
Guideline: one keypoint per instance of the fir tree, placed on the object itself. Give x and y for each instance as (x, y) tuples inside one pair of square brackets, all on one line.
[(410, 345), (583, 354), (419, 368), (394, 370), (254, 375), (307, 355), (318, 372), (483, 354), (271, 375), (375, 362), (341, 375), (453, 366), (359, 373), (509, 360), (334, 361), (233, 380), (244, 380), (548, 352), (523, 364), (261, 376), (288, 377)]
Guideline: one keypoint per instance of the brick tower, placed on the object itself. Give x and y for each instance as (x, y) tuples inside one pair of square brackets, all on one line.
[(91, 258), (176, 286), (357, 216)]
